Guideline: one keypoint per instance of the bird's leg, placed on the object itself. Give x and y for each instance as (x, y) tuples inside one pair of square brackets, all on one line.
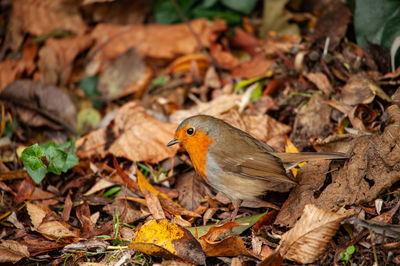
[(236, 205)]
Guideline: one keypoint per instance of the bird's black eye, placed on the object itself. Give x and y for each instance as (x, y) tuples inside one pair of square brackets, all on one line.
[(190, 131)]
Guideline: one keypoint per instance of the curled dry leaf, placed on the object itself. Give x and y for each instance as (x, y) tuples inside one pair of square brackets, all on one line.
[(133, 134), (39, 104), (361, 89), (167, 240), (51, 228), (308, 239), (12, 251), (258, 66)]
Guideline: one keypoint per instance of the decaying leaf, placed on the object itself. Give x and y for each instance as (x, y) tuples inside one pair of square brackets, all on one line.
[(361, 89), (321, 81), (308, 239), (57, 56), (49, 224), (12, 251), (372, 169), (168, 240), (155, 41), (126, 74), (41, 105), (230, 246), (133, 134)]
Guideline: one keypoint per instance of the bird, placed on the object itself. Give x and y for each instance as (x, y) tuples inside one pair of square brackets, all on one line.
[(235, 163)]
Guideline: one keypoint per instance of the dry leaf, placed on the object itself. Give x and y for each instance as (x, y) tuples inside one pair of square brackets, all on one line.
[(258, 66), (133, 134), (52, 229), (12, 251), (156, 41), (167, 240), (126, 74), (371, 168), (321, 81), (57, 56), (42, 17), (309, 238), (39, 104), (154, 205)]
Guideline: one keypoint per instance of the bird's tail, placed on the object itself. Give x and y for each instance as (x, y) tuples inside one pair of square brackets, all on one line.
[(308, 156)]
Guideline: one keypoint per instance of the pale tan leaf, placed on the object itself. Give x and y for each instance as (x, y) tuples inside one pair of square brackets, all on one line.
[(12, 251), (308, 239), (134, 135)]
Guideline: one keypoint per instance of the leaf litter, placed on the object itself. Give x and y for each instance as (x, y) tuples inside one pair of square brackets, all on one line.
[(131, 199)]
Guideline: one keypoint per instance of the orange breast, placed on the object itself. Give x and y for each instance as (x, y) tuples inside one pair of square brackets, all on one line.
[(197, 147)]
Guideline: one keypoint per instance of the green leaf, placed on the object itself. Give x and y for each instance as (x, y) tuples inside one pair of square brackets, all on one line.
[(32, 157), (350, 250), (229, 16), (370, 19), (56, 159), (239, 5), (165, 11), (89, 86), (37, 174), (111, 191), (72, 160)]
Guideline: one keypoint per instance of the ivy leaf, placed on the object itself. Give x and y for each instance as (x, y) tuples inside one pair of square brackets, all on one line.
[(32, 157)]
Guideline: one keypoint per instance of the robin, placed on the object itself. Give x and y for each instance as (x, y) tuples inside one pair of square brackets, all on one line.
[(235, 163)]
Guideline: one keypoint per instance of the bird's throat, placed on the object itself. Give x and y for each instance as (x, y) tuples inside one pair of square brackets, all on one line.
[(197, 147)]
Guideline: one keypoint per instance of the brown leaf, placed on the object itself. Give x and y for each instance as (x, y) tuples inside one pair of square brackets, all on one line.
[(361, 89), (133, 134), (52, 229), (321, 81), (371, 169), (67, 208), (126, 74), (12, 251), (313, 120), (228, 247), (167, 240), (25, 190), (83, 214), (40, 104), (125, 210), (191, 190), (336, 13), (309, 238), (258, 66), (154, 205), (38, 18), (155, 41), (57, 56)]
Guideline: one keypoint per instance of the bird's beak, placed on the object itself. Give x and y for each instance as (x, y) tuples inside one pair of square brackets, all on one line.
[(173, 142)]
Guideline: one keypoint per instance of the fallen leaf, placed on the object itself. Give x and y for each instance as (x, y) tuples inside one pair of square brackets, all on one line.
[(323, 28), (361, 89), (371, 169), (228, 247), (167, 240), (155, 41), (191, 190), (52, 229), (41, 105), (12, 251), (126, 74), (25, 190), (258, 66), (38, 18), (133, 134), (126, 211), (154, 205), (309, 238), (320, 80), (57, 56), (312, 121)]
